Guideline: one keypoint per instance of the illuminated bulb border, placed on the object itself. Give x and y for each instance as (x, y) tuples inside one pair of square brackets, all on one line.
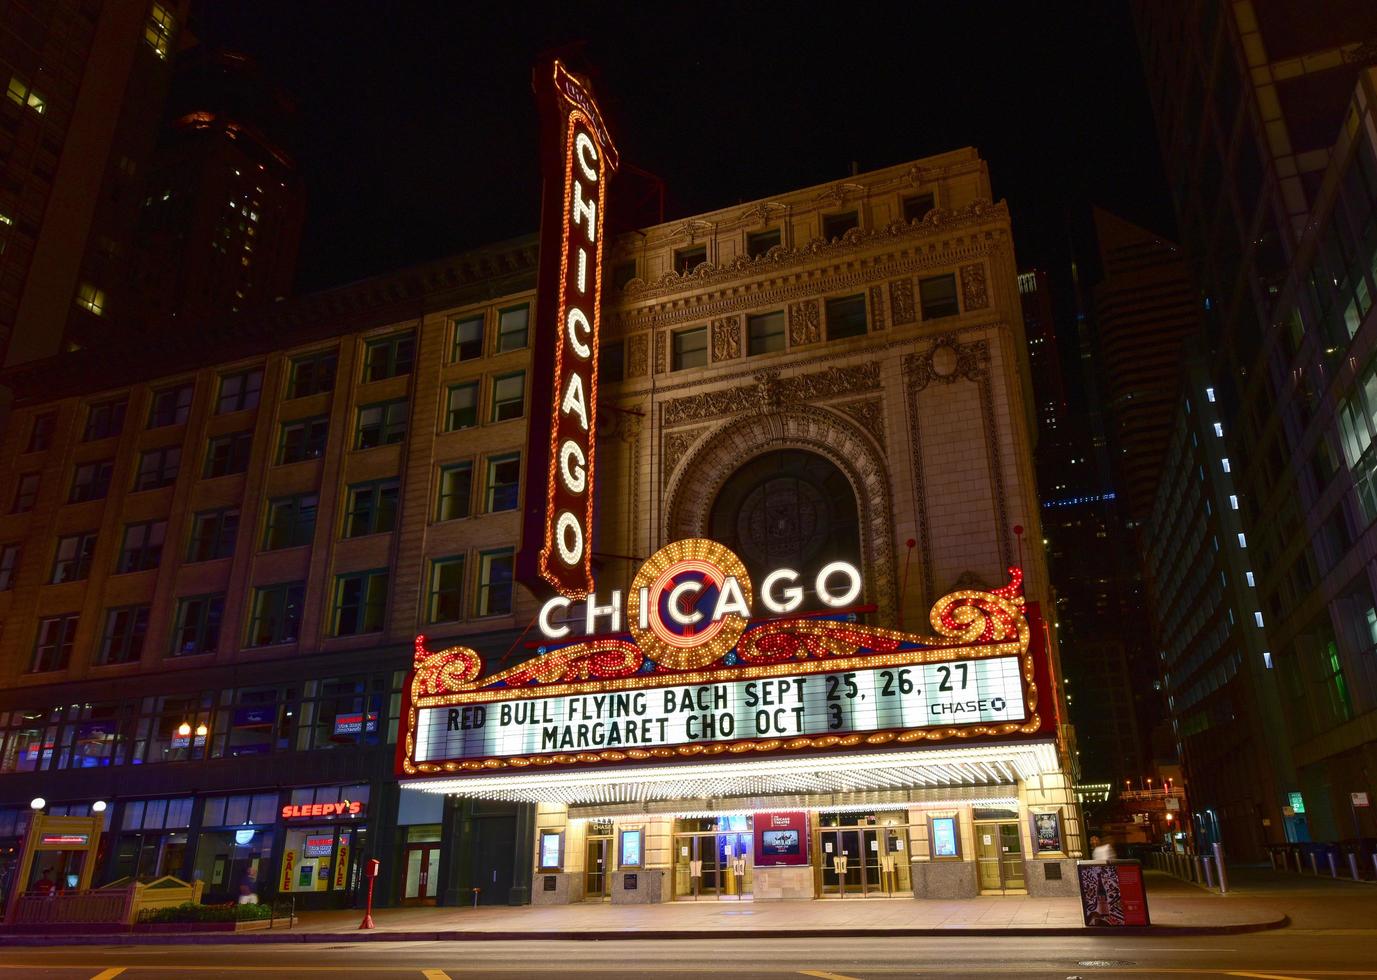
[(770, 777)]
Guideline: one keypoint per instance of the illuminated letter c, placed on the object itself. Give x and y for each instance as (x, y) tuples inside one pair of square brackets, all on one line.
[(583, 146)]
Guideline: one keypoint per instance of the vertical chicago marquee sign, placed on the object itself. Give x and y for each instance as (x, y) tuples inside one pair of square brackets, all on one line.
[(579, 159)]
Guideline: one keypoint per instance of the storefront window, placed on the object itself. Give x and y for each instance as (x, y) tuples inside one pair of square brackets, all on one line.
[(159, 736), (235, 845), (326, 837), (14, 822), (153, 839), (259, 721), (92, 739), (30, 738), (345, 711)]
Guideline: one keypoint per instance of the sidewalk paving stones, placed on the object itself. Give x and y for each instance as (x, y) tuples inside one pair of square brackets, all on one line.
[(1176, 907)]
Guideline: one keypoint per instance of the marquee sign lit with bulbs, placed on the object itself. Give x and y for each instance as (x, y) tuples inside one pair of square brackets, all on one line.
[(697, 672), (580, 158)]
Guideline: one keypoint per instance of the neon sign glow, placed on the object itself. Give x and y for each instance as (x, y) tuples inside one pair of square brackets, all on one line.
[(567, 335)]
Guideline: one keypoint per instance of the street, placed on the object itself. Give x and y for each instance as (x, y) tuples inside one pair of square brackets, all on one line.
[(1287, 953), (1333, 933)]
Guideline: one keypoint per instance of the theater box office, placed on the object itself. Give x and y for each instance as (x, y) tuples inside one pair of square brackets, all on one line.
[(700, 741)]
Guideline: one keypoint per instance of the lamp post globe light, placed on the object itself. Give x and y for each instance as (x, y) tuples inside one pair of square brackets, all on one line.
[(37, 803), (98, 806)]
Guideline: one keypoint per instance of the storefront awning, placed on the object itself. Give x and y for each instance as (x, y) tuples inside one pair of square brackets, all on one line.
[(924, 769)]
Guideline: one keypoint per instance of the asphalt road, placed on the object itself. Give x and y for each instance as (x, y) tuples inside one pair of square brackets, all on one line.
[(1288, 954)]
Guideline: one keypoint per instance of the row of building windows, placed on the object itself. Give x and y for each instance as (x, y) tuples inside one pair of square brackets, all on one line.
[(394, 355), (379, 424), (845, 316), (325, 713), (358, 607), (289, 522), (311, 374), (758, 243)]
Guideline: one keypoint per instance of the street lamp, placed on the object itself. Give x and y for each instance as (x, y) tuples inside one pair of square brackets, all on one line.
[(98, 806), (37, 803), (201, 731), (184, 728)]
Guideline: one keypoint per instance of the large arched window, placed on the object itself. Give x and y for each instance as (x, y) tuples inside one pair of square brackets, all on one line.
[(787, 509)]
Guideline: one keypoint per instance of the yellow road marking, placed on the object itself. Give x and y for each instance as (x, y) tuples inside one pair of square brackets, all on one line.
[(1265, 976), (110, 974), (435, 975), (824, 975)]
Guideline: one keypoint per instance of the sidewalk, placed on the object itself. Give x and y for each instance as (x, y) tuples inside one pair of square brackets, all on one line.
[(1174, 907)]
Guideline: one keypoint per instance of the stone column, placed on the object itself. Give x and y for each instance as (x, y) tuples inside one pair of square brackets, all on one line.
[(523, 854), (456, 863)]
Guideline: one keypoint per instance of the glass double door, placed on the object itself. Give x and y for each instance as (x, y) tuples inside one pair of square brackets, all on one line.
[(999, 856), (713, 865), (422, 874), (870, 862)]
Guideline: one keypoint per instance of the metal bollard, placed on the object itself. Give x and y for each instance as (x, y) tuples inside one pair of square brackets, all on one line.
[(1299, 869), (1199, 868), (1209, 874), (1353, 865), (1219, 867), (1333, 866), (1314, 864), (1272, 859)]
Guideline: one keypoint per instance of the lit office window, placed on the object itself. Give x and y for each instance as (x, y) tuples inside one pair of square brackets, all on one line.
[(157, 32), (90, 299), (21, 94)]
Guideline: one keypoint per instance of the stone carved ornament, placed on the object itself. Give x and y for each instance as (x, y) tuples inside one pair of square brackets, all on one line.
[(870, 414), (902, 308), (947, 361), (805, 323), (877, 307), (726, 338), (677, 445), (770, 391), (638, 355), (975, 295)]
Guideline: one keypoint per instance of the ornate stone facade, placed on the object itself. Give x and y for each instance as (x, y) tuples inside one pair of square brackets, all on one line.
[(638, 355), (696, 481), (974, 294), (726, 338), (870, 414), (925, 420), (877, 307), (901, 302), (805, 323), (770, 391)]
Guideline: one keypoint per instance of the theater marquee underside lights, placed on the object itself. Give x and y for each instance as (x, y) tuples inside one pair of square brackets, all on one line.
[(988, 774)]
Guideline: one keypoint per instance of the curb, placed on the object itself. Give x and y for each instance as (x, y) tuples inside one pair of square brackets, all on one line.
[(382, 936)]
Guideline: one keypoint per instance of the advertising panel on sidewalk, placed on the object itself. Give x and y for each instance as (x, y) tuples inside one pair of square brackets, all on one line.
[(781, 839), (1112, 893)]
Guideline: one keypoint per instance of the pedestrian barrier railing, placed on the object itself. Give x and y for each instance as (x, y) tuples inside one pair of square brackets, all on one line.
[(1354, 859), (73, 907), (1205, 868)]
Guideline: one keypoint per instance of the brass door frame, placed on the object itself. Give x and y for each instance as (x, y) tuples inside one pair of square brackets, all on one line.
[(709, 842), (604, 844), (872, 877), (996, 829)]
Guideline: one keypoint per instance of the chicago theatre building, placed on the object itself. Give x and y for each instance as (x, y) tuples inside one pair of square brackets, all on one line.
[(263, 591)]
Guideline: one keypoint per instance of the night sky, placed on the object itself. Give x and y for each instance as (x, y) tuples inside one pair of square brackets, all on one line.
[(417, 131)]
